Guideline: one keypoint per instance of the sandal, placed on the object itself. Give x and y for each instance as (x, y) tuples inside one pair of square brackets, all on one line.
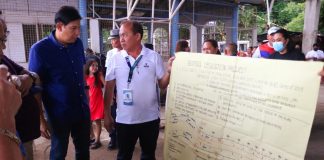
[(95, 145)]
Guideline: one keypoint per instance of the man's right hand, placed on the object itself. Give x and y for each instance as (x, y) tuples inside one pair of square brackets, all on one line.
[(45, 132), (109, 123)]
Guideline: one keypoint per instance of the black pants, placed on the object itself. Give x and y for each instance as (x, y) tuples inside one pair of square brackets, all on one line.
[(127, 135), (113, 133)]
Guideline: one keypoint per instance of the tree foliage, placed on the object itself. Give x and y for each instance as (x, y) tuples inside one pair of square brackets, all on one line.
[(288, 14), (321, 21), (296, 14)]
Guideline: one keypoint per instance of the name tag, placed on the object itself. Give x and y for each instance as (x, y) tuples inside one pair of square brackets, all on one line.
[(128, 97)]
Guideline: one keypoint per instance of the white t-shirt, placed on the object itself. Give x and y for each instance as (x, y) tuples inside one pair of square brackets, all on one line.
[(150, 68), (110, 53), (315, 54)]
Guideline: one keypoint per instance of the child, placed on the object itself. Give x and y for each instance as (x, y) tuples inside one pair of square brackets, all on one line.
[(95, 81)]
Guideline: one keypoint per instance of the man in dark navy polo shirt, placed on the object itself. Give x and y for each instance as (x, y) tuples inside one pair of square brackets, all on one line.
[(58, 60)]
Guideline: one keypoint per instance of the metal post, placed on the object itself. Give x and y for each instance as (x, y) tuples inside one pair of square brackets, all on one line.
[(84, 27), (152, 23), (169, 38), (173, 27), (131, 8), (235, 24), (114, 14), (177, 9), (193, 12), (93, 10)]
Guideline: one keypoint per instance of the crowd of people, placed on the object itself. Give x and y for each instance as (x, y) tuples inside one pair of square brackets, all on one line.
[(78, 92)]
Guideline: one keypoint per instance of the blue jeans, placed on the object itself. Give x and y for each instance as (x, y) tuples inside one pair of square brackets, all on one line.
[(80, 133)]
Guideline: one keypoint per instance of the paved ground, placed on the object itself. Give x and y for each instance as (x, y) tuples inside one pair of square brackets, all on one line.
[(315, 150), (42, 147)]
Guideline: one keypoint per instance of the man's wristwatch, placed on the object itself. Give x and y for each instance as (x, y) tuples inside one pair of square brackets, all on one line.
[(10, 135), (33, 76)]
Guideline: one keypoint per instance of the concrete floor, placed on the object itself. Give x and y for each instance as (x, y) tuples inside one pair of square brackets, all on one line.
[(42, 147), (315, 149)]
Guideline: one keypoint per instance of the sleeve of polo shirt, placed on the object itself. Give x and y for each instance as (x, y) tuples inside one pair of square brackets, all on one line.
[(35, 61), (159, 67), (321, 54), (110, 71), (309, 54), (108, 57)]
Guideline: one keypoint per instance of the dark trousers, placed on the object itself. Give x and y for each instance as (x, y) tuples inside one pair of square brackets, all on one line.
[(127, 135), (113, 133), (80, 133)]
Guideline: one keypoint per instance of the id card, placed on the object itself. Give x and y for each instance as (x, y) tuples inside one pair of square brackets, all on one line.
[(128, 97)]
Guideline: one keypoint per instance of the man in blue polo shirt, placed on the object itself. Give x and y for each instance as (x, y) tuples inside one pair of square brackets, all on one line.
[(58, 60)]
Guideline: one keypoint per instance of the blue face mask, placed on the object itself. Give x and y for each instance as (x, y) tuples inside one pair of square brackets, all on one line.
[(278, 46)]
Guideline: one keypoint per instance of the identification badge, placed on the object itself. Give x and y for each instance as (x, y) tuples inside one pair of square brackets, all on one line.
[(128, 97)]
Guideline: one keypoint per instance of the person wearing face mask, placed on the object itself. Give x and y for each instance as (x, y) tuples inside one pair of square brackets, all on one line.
[(284, 49), (266, 49), (315, 54)]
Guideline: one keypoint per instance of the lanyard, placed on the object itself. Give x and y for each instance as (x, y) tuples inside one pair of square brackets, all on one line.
[(131, 68)]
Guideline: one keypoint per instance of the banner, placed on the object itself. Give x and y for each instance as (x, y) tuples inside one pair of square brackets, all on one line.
[(234, 108)]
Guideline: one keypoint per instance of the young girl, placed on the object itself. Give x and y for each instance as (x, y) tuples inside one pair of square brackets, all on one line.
[(95, 81)]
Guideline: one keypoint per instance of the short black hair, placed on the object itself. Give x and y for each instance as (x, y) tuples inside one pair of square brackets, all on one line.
[(67, 14), (290, 46), (284, 33), (136, 26), (212, 42), (181, 45), (315, 44)]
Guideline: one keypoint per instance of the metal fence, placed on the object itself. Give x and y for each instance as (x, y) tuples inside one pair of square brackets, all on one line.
[(33, 33)]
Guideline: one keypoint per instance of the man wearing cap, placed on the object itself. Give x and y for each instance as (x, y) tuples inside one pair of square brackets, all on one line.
[(266, 49), (114, 39)]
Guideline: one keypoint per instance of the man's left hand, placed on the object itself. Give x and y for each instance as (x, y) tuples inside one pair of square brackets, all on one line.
[(170, 62)]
